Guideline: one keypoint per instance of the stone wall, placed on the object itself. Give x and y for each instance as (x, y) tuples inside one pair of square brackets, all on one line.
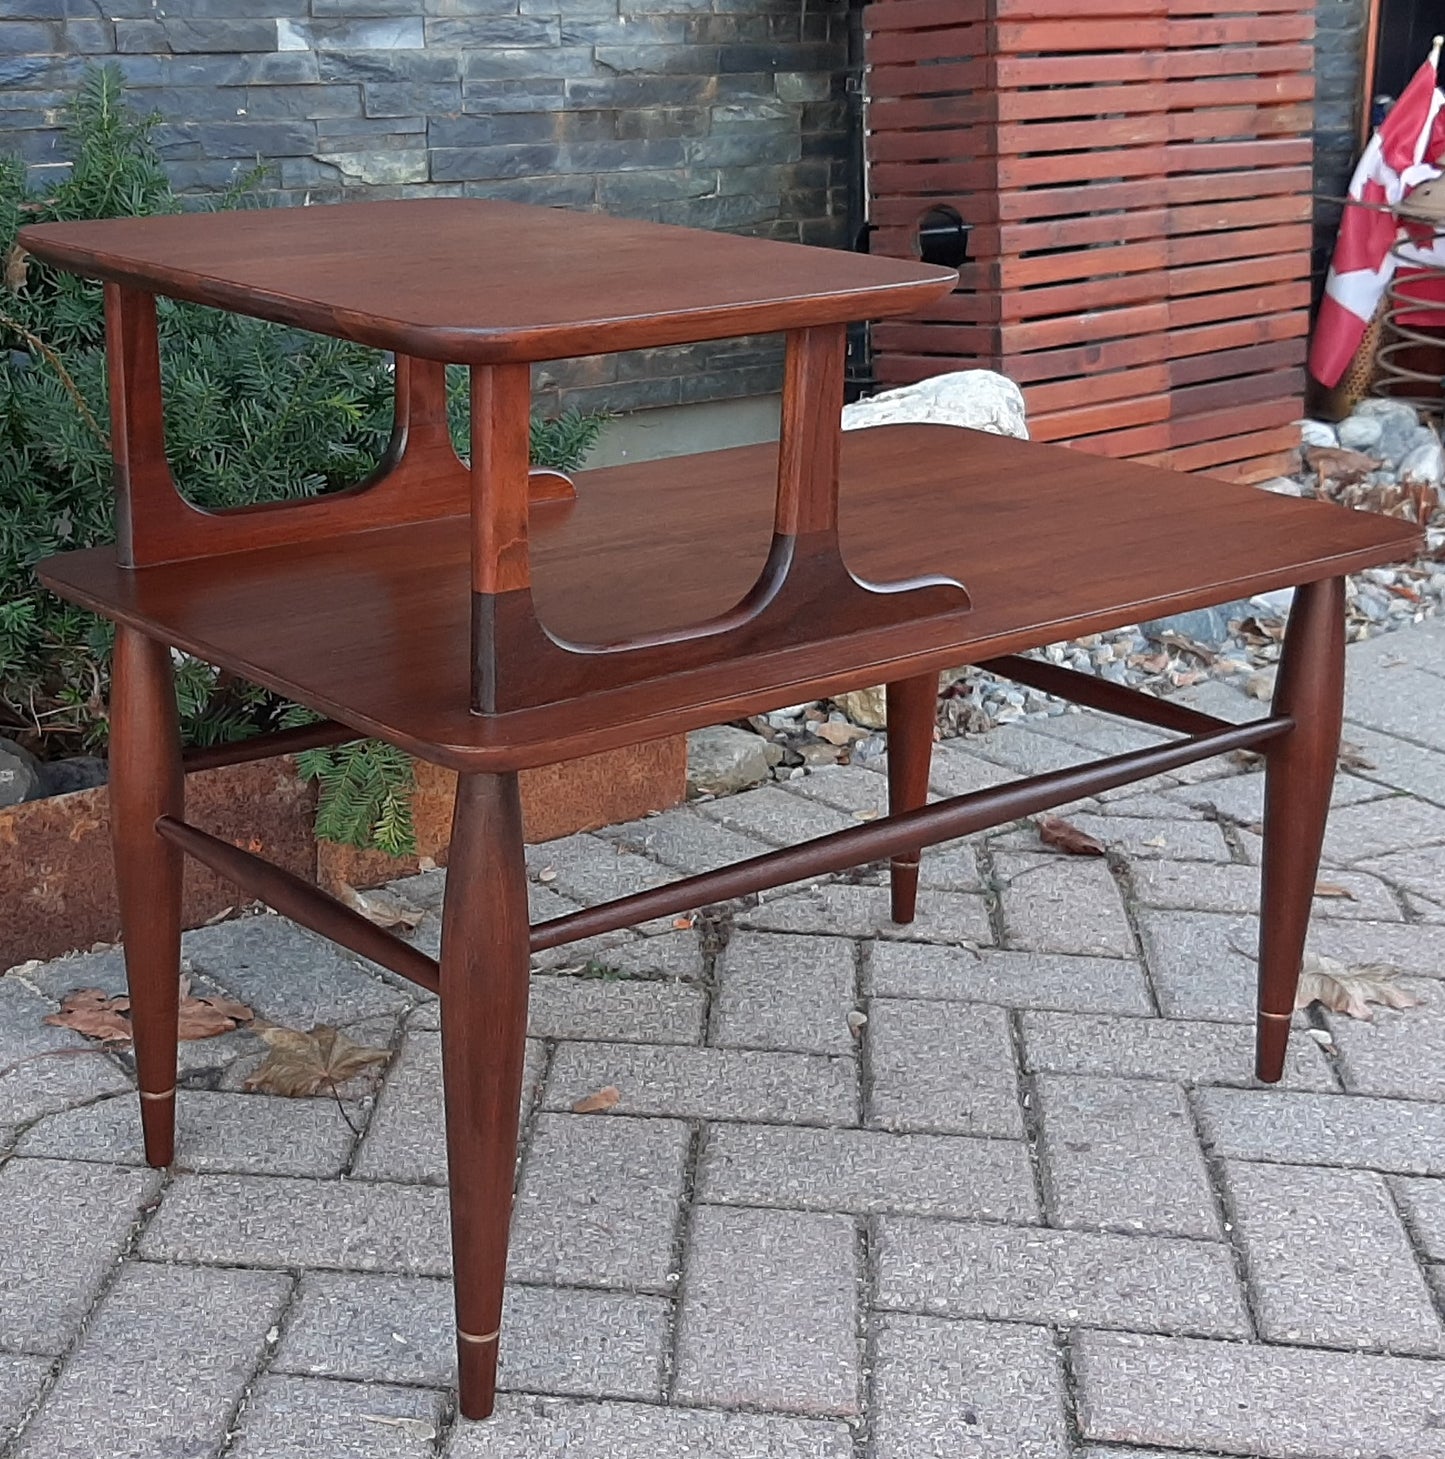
[(711, 113), (1339, 65)]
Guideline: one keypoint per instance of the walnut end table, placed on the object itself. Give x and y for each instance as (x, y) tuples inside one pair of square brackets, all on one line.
[(489, 618)]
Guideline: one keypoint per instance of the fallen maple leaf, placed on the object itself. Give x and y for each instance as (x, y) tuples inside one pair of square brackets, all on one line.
[(382, 907), (1063, 835), (1350, 990), (90, 1012), (302, 1064), (604, 1098)]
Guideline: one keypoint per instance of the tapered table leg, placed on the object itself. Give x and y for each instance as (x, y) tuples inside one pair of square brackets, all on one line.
[(146, 782), (1299, 777), (912, 714), (484, 971)]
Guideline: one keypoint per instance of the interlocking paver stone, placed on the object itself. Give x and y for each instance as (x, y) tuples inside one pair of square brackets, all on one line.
[(951, 866), (1241, 797), (379, 1329), (21, 1379), (1420, 869), (160, 1367), (1234, 888), (1396, 1053), (287, 1418), (1378, 827), (1100, 733), (941, 1067), (674, 954), (867, 1171), (956, 771), (1423, 1202), (768, 1313), (727, 1084), (846, 787), (1413, 948), (527, 1428), (407, 1136), (1203, 963), (287, 975), (1121, 1154), (771, 814), (595, 1344), (683, 839), (1068, 1278), (1273, 1402), (1056, 904), (1018, 748), (845, 910), (1145, 838), (1155, 1048), (1401, 1136), (43, 1084), (62, 1225), (600, 1202), (593, 870), (985, 1390), (243, 1133), (1010, 979), (372, 1327), (1329, 1262), (1398, 765), (264, 1221), (611, 1008), (782, 992)]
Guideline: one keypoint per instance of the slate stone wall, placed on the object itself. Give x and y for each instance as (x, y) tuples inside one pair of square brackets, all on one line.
[(1339, 65), (712, 113)]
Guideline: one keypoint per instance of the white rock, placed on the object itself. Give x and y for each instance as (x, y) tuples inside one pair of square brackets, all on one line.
[(978, 399), (1424, 464), (1388, 410), (1317, 433), (1282, 486), (1360, 432), (1275, 603), (724, 759)]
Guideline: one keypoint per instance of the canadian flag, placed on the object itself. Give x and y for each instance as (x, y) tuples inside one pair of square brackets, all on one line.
[(1401, 155)]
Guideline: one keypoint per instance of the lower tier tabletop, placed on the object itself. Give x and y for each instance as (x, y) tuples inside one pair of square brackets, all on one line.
[(372, 628)]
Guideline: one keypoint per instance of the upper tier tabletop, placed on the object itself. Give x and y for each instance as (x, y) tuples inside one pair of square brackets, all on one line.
[(374, 628), (479, 282)]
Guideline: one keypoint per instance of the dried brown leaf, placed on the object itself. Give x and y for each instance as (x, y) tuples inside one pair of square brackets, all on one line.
[(601, 1099), (1063, 835), (302, 1064), (1350, 990), (90, 1012), (1353, 757), (1333, 889), (382, 907), (17, 266)]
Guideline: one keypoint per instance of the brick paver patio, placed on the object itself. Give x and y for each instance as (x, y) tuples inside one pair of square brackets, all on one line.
[(1033, 1208)]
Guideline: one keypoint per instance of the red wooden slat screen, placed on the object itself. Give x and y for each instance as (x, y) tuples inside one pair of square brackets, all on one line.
[(1137, 177)]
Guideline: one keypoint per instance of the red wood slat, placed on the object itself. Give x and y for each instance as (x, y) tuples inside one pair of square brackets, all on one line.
[(1018, 339), (1083, 263), (1237, 420), (920, 80), (1067, 425), (1246, 303), (1264, 358), (915, 14), (1053, 37), (1242, 30), (1287, 238), (1052, 397)]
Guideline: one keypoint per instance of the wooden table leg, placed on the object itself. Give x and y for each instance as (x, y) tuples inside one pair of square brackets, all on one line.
[(484, 971), (912, 714), (1299, 778), (146, 782)]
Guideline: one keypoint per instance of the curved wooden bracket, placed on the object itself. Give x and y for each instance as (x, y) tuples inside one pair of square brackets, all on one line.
[(420, 476), (804, 589)]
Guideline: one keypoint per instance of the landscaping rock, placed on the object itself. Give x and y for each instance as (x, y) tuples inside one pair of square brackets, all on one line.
[(978, 399), (868, 707), (1424, 463), (20, 775), (80, 772), (1318, 433), (724, 759), (1360, 432)]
